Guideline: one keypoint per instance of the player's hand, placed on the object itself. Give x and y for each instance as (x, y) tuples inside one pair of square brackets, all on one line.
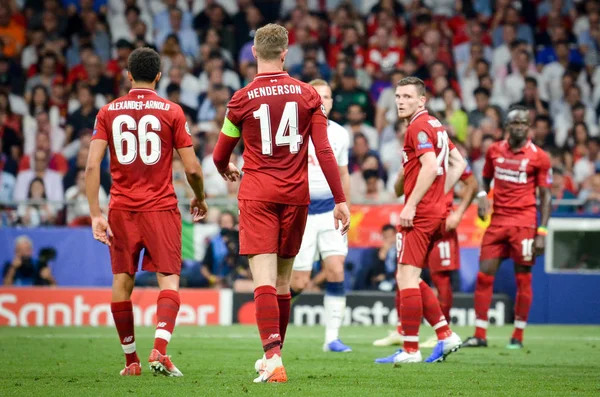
[(452, 221), (198, 209), (539, 245), (341, 217), (483, 208), (407, 215), (231, 173), (17, 262), (101, 230)]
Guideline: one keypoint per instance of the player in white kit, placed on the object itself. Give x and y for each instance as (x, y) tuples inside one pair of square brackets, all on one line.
[(321, 239)]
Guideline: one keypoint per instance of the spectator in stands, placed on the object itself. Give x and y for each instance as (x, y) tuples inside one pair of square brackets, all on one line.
[(7, 186), (52, 180), (586, 166), (511, 90), (531, 97), (542, 133), (215, 62), (12, 33), (382, 267), (507, 14), (214, 266), (41, 125), (552, 72), (84, 117), (386, 110), (591, 195), (560, 192), (56, 162), (37, 211), (39, 101), (577, 141), (78, 208), (347, 94), (7, 158), (454, 116), (174, 95), (24, 269), (356, 125), (8, 118), (391, 152), (482, 101), (188, 39), (47, 68), (501, 55)]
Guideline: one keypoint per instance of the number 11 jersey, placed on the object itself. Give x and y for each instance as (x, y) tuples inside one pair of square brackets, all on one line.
[(142, 129), (274, 114), (426, 134)]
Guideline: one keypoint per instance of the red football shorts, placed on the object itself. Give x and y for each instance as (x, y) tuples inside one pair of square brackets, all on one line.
[(414, 243), (445, 253), (271, 228), (159, 232), (515, 242)]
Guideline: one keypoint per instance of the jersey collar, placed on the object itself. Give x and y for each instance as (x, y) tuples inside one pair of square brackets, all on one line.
[(521, 149), (271, 74), (417, 115), (135, 90)]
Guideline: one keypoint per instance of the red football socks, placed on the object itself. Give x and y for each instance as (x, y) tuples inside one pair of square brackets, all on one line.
[(432, 312), (399, 325), (483, 299), (167, 308), (284, 302), (522, 304), (123, 315), (267, 319), (443, 284), (411, 310)]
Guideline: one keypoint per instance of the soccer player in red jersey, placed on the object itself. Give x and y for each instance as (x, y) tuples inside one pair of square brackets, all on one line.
[(276, 115), (141, 130), (431, 167), (518, 168)]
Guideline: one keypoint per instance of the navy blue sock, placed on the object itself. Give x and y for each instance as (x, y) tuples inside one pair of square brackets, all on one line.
[(335, 288)]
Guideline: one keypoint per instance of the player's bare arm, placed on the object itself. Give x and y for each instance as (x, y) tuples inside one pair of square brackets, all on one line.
[(100, 226), (456, 167), (483, 204), (469, 193), (399, 184), (427, 175), (193, 172), (545, 208)]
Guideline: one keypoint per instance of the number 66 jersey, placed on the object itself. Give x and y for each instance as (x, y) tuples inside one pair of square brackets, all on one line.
[(426, 134), (142, 129)]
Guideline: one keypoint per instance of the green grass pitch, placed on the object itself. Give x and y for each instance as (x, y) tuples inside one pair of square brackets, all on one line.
[(219, 361)]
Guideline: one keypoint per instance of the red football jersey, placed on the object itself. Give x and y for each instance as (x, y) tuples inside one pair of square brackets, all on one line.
[(450, 195), (274, 113), (426, 134), (516, 176), (142, 129)]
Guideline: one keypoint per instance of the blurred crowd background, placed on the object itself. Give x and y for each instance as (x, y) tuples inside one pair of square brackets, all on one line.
[(61, 60)]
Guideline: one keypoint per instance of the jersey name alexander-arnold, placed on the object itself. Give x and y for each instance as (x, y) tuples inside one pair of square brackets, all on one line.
[(284, 89), (139, 105)]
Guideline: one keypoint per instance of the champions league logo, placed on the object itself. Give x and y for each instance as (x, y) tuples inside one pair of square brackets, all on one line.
[(187, 129)]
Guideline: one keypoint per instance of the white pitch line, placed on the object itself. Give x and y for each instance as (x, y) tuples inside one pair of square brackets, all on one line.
[(249, 336)]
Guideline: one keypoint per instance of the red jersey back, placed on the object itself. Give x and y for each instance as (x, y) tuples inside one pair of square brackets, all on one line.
[(275, 113), (142, 129), (516, 175), (450, 195), (426, 134)]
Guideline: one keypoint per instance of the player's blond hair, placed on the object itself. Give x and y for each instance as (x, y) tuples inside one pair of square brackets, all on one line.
[(319, 83), (270, 41)]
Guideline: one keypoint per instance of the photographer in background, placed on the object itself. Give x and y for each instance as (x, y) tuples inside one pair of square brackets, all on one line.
[(24, 270)]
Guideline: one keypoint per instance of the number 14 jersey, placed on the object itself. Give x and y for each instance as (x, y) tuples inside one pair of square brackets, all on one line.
[(142, 129), (275, 113), (426, 134)]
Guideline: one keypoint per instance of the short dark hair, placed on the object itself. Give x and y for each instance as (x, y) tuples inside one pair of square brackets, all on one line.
[(482, 90), (412, 80), (543, 118), (531, 80), (173, 88), (144, 65), (387, 227)]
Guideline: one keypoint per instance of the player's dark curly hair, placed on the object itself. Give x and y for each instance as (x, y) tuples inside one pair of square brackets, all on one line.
[(144, 65)]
